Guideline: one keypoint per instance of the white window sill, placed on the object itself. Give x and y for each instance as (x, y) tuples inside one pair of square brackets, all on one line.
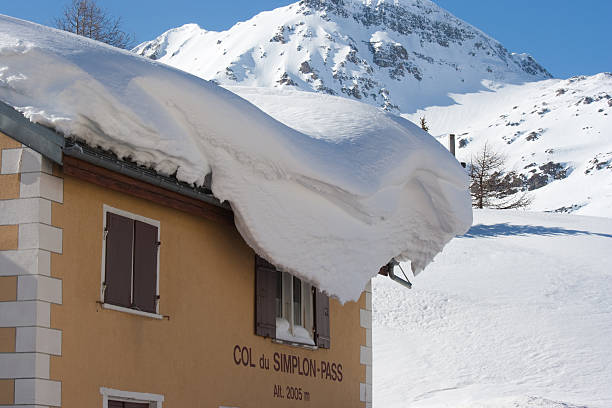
[(154, 400), (295, 344), (132, 311)]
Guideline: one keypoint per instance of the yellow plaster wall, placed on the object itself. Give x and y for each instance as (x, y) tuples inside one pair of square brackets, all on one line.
[(9, 183), (207, 290), (7, 142), (7, 339), (8, 288), (7, 392), (9, 235), (9, 186)]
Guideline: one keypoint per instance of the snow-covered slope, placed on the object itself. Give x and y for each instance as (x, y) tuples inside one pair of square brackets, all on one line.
[(359, 188), (515, 314), (400, 55), (412, 57), (556, 134)]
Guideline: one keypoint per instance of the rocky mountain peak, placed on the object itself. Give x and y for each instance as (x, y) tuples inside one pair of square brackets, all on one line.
[(400, 55)]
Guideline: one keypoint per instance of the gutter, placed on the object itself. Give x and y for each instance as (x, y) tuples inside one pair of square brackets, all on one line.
[(109, 161), (54, 146)]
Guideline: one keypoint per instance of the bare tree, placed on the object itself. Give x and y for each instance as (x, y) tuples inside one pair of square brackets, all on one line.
[(491, 185), (86, 18), (424, 125)]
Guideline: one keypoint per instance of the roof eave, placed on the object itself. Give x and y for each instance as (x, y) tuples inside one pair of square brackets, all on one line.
[(54, 146), (39, 138)]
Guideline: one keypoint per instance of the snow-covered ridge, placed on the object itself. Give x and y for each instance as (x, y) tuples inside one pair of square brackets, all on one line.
[(556, 135), (399, 55), (330, 195)]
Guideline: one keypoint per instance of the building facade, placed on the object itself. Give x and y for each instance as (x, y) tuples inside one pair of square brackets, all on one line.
[(116, 291)]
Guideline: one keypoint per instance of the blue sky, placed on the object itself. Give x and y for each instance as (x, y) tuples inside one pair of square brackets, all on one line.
[(567, 37)]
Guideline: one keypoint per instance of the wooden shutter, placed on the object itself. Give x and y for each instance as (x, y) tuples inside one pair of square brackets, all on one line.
[(118, 261), (321, 307), (265, 298), (135, 405), (121, 404), (145, 267)]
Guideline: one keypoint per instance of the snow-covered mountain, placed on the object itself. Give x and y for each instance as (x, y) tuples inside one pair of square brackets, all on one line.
[(400, 55), (556, 134), (416, 59)]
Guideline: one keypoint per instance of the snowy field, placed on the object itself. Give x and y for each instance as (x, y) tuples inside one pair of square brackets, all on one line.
[(516, 313), (555, 134)]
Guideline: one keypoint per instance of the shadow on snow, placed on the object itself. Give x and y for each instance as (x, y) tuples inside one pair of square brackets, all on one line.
[(505, 229)]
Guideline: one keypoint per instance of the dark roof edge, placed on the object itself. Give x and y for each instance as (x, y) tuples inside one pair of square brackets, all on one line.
[(109, 161), (53, 146), (37, 137)]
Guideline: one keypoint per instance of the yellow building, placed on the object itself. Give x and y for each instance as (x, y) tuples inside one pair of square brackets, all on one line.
[(123, 288)]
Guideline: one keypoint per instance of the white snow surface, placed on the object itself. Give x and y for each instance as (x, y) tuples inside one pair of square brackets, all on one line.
[(299, 335), (330, 202), (400, 55), (555, 134), (515, 314)]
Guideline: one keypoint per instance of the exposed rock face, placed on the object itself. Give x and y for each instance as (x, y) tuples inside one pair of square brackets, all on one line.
[(286, 80), (548, 172), (394, 56), (554, 135), (602, 161), (534, 135), (399, 55)]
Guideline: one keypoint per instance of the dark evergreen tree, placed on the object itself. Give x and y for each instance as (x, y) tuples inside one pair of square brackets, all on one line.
[(424, 125)]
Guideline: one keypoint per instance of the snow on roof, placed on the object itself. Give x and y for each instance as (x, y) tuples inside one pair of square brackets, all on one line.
[(330, 191)]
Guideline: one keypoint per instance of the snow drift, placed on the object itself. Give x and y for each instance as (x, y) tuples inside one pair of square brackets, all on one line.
[(330, 193), (526, 324)]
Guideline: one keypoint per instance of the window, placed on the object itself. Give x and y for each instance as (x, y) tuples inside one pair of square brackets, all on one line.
[(289, 309), (130, 265), (294, 312), (112, 398)]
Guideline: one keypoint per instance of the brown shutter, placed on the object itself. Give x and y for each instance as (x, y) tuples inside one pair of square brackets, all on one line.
[(265, 298), (145, 266), (121, 404), (321, 307), (135, 405), (118, 262)]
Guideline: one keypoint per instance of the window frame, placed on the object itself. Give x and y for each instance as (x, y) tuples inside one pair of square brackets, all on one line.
[(266, 309), (109, 209), (154, 400), (307, 312)]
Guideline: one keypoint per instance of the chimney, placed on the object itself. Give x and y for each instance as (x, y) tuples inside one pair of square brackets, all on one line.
[(451, 143)]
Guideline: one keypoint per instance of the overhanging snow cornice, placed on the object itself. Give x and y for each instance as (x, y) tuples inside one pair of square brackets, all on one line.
[(54, 146)]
